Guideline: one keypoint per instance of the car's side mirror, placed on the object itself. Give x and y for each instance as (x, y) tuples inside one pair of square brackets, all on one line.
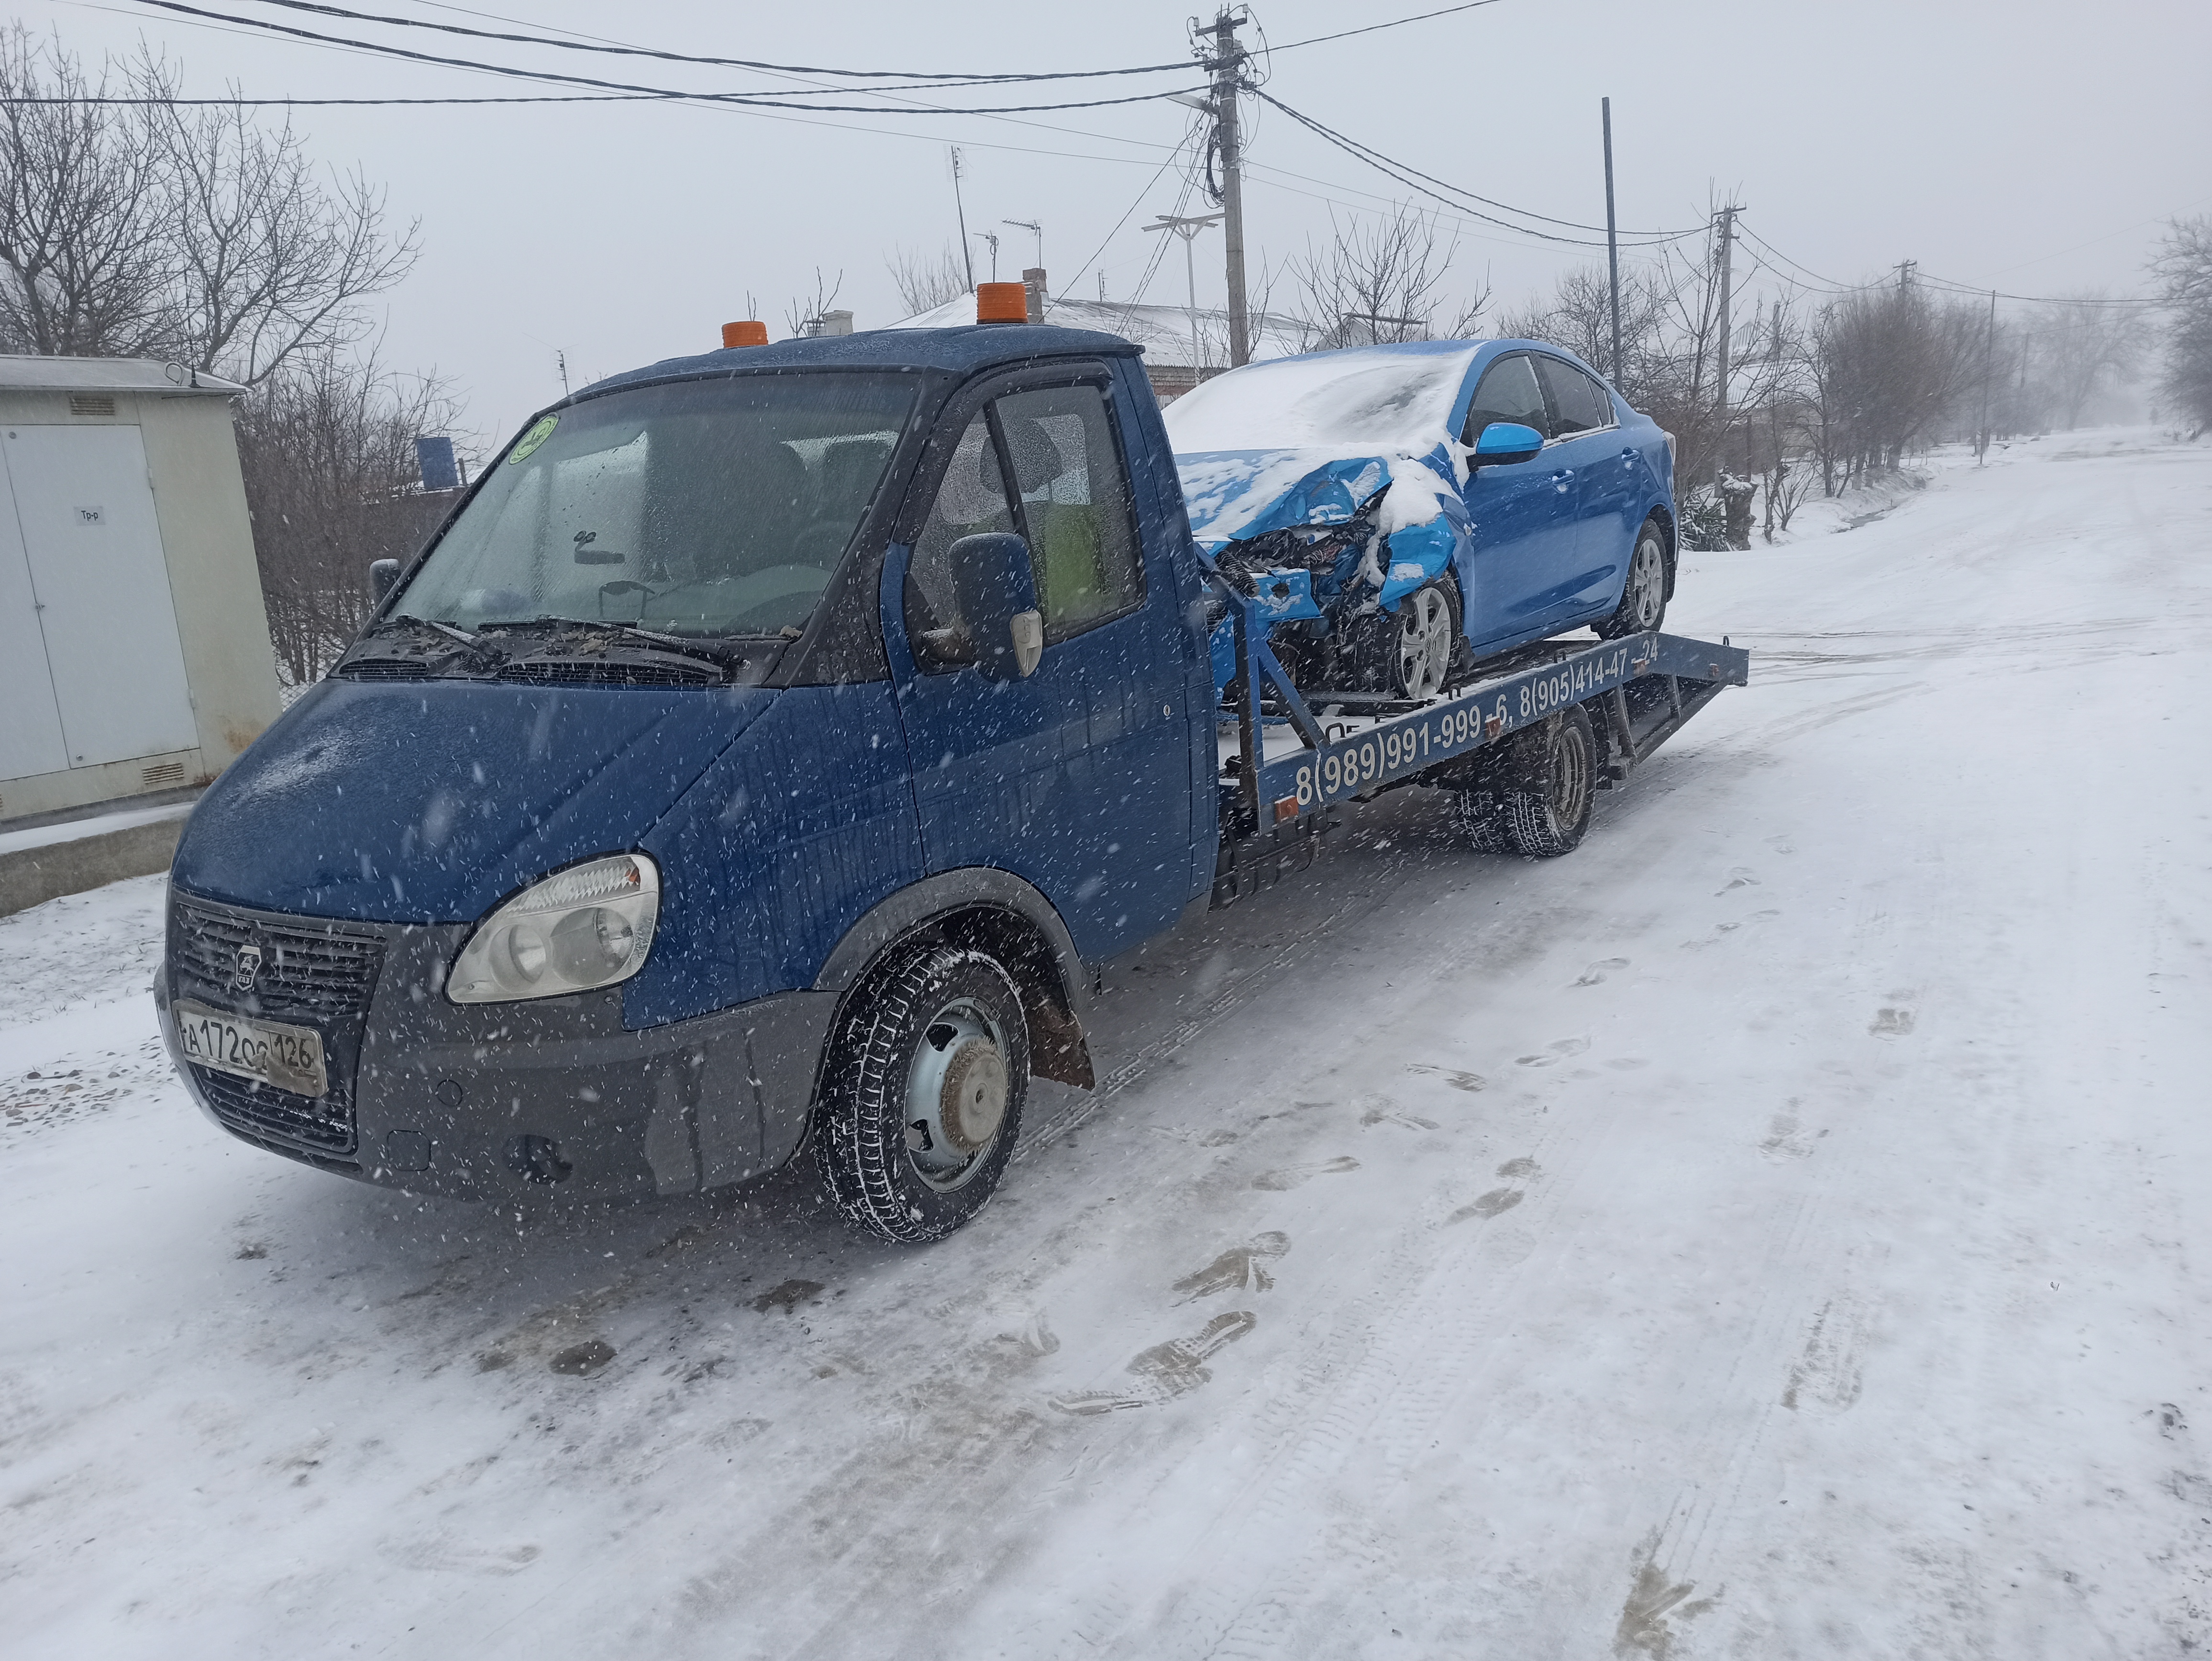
[(1502, 443), (997, 594), (382, 573)]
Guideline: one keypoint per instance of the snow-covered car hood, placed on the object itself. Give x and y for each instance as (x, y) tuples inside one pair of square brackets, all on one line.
[(1307, 441)]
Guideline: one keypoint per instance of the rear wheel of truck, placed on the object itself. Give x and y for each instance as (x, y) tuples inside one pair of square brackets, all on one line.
[(1479, 818), (922, 1094), (1550, 777)]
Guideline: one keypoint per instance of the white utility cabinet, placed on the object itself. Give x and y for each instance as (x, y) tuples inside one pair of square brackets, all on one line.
[(134, 647)]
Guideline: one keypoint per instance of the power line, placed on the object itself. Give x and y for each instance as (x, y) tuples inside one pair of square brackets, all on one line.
[(1421, 17), (925, 77), (742, 100), (1947, 284), (1458, 198)]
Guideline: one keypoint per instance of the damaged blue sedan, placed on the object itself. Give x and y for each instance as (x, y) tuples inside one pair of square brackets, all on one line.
[(1402, 512)]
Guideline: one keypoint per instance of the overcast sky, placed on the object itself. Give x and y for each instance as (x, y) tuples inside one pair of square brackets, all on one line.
[(2024, 144)]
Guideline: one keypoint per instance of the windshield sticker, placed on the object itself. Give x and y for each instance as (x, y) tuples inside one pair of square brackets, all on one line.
[(530, 440)]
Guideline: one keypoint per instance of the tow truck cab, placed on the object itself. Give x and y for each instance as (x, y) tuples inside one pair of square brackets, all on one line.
[(739, 687)]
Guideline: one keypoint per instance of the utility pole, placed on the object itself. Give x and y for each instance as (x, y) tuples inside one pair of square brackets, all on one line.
[(967, 259), (1989, 364), (1034, 229), (561, 363), (1728, 299), (1227, 60), (1187, 229), (1612, 238), (1904, 273)]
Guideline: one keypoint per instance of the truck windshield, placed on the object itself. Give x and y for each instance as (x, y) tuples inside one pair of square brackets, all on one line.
[(709, 508)]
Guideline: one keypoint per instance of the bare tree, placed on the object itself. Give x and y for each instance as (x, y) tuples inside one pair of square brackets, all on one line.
[(2183, 268), (83, 269), (2086, 346), (804, 313), (327, 447), (154, 229), (1374, 282), (925, 282)]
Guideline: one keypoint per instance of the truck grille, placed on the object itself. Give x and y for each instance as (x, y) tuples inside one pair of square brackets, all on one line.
[(308, 967), (266, 1113), (311, 971)]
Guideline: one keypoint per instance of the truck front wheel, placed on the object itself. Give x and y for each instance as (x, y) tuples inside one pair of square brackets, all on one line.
[(922, 1095)]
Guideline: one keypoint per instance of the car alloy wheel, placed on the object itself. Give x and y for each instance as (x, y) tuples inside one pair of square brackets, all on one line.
[(1427, 628)]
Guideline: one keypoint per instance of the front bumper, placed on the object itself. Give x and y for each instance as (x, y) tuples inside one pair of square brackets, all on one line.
[(492, 1101)]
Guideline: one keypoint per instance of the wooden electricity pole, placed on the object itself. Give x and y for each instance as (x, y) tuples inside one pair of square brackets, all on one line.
[(1227, 60)]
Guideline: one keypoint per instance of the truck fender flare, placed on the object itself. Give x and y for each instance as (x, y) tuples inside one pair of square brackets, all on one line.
[(999, 911)]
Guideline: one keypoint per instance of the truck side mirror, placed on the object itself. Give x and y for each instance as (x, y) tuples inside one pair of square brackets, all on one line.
[(382, 573), (997, 595), (1502, 443)]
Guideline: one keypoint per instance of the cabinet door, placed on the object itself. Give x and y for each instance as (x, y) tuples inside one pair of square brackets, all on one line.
[(31, 726), (94, 552)]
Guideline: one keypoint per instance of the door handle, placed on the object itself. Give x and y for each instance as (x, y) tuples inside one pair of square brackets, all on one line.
[(1628, 455), (1563, 478)]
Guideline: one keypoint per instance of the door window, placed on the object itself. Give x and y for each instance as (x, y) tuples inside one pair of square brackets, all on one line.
[(1074, 507), (971, 500), (1579, 404), (1508, 391)]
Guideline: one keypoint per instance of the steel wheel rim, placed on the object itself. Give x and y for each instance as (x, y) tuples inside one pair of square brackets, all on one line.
[(1570, 777), (1647, 583), (1423, 643), (931, 1145)]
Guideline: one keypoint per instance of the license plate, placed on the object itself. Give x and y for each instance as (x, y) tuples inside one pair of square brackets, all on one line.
[(288, 1057)]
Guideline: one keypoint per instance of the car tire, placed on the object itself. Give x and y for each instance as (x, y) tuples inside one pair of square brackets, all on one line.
[(1643, 605), (1550, 775), (1411, 652), (922, 1094)]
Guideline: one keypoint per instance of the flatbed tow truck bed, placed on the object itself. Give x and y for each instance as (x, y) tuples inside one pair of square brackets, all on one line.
[(1284, 763)]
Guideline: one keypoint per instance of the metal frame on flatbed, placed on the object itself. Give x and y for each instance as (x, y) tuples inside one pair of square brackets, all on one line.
[(1288, 764)]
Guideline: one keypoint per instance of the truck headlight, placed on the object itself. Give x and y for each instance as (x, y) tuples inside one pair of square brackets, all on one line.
[(586, 926)]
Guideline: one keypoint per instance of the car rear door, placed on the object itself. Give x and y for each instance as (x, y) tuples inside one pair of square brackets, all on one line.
[(1587, 441), (1524, 514)]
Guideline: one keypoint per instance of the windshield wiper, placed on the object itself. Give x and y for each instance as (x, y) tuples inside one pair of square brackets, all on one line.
[(722, 654), (441, 641)]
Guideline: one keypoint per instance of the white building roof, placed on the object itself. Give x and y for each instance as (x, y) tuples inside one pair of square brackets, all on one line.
[(1162, 331), (109, 374)]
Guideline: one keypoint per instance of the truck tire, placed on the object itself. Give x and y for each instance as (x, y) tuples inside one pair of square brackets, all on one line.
[(1643, 605), (1479, 818), (1551, 784), (922, 1094)]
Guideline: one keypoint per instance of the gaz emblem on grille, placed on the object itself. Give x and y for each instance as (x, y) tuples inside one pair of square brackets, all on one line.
[(248, 970)]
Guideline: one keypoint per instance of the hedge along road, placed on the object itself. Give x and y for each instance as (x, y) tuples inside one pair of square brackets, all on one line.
[(1773, 1229)]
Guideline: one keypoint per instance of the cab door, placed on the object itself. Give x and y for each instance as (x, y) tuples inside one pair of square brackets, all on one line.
[(1524, 514), (1076, 776)]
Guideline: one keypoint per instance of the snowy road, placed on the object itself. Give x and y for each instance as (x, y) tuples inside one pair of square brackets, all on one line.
[(1780, 1229)]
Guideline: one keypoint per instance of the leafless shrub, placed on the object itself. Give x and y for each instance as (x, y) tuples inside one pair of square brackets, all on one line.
[(1376, 282), (805, 313), (327, 448)]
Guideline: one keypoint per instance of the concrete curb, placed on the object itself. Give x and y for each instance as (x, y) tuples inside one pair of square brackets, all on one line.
[(31, 876)]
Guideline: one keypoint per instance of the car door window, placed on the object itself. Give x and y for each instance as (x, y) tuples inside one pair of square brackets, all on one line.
[(1075, 505), (971, 500), (1508, 391), (1579, 404)]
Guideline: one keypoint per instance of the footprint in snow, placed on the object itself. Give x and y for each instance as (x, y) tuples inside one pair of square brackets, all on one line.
[(1240, 1267), (1522, 1167), (1469, 1082), (1786, 1139), (1598, 970), (1486, 1206), (1552, 1054), (1382, 1110), (1165, 1371), (1740, 877), (1892, 1023), (1722, 930), (787, 1296), (1291, 1177)]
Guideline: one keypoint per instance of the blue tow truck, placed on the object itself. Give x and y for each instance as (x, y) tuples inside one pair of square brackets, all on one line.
[(764, 756)]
